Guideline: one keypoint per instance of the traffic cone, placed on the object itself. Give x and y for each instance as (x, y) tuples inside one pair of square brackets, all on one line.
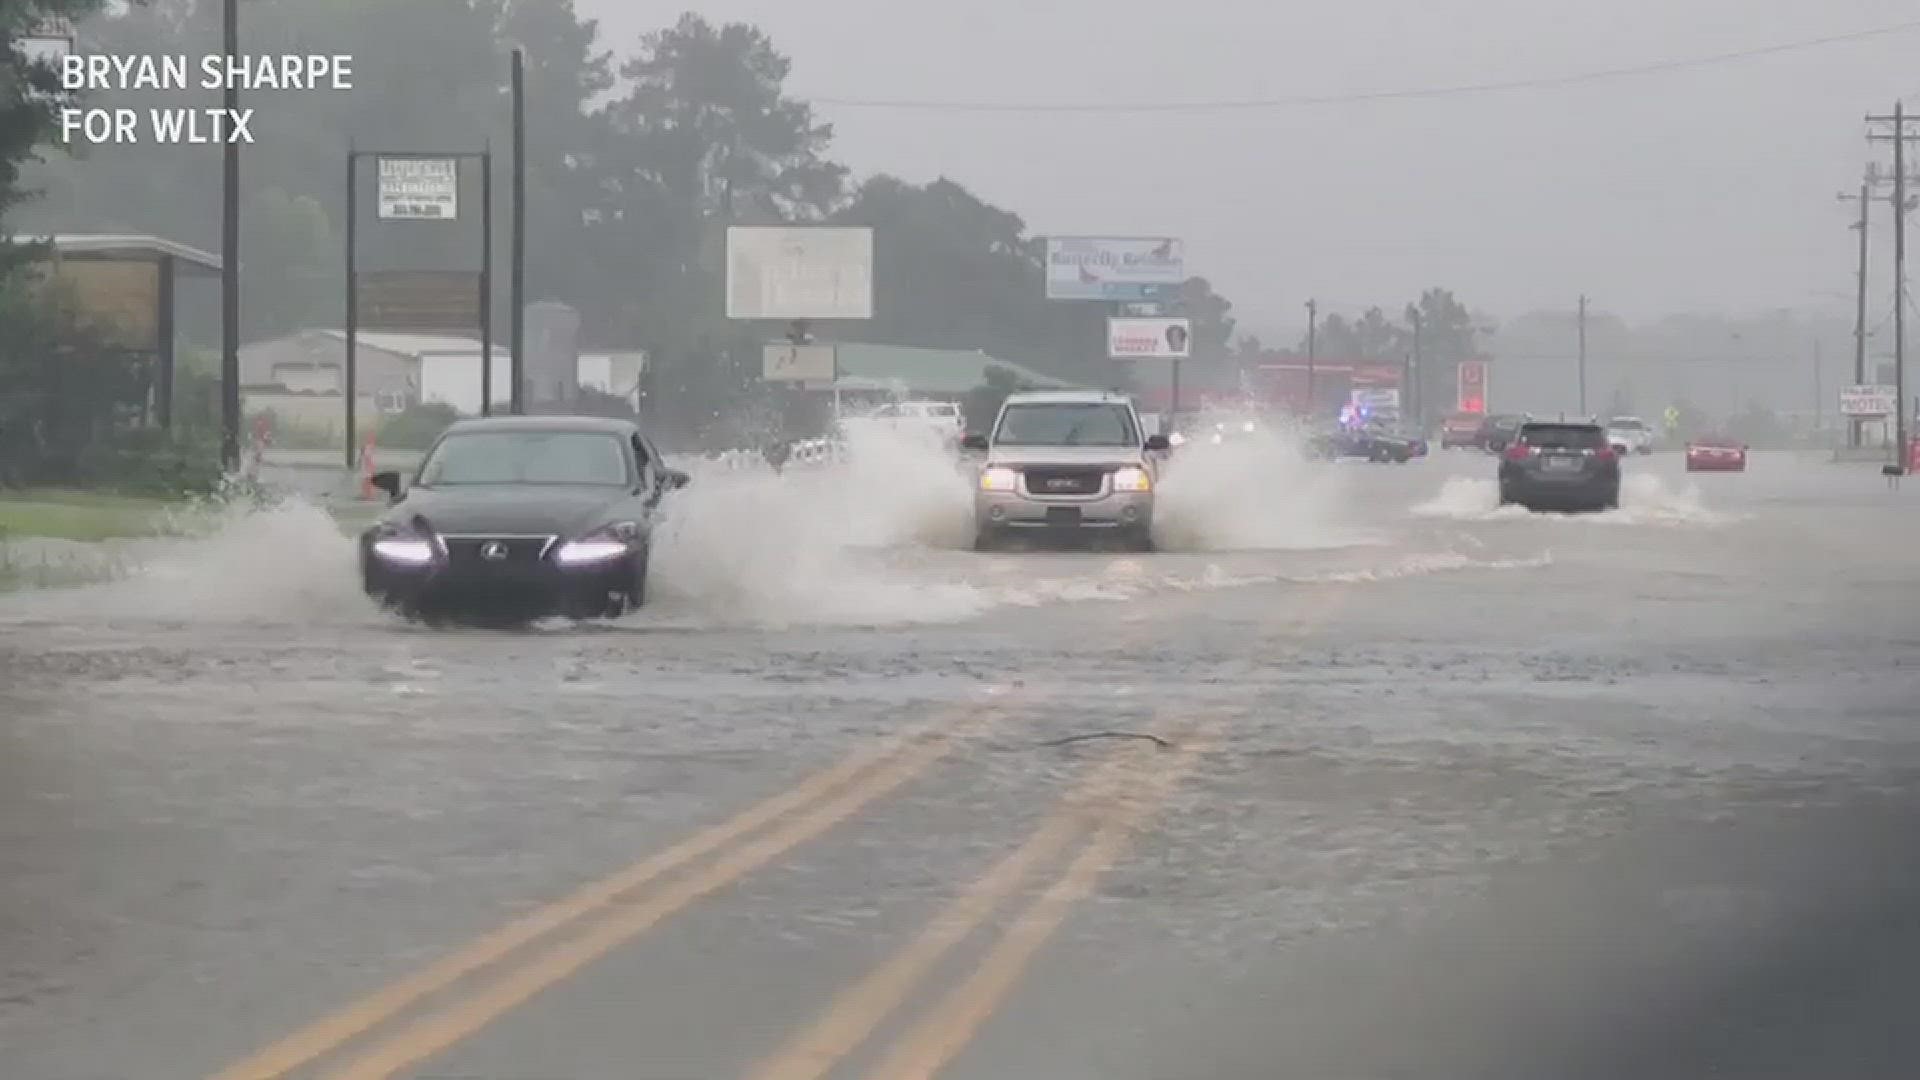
[(367, 490)]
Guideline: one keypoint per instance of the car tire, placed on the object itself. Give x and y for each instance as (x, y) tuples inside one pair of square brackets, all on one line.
[(986, 540), (637, 595), (1138, 540)]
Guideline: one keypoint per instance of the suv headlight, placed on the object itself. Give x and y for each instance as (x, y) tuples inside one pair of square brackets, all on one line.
[(1132, 479), (398, 542), (602, 544), (999, 479)]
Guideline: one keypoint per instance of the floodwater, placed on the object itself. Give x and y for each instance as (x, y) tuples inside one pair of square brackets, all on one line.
[(236, 799)]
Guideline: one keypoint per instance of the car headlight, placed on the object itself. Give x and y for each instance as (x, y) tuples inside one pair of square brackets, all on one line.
[(1132, 479), (412, 551), (408, 545), (601, 545), (999, 479)]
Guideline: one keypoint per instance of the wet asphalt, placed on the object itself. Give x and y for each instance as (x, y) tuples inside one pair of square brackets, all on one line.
[(1438, 791)]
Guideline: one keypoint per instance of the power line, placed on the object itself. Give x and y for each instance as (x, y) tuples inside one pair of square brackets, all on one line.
[(1310, 100)]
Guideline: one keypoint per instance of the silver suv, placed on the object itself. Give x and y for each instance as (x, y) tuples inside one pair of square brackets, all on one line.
[(1067, 461)]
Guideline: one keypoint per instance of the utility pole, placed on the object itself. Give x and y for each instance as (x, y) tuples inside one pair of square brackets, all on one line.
[(1313, 330), (1583, 354), (1860, 295), (518, 289), (1819, 403), (230, 252), (1899, 140), (349, 382), (1409, 409)]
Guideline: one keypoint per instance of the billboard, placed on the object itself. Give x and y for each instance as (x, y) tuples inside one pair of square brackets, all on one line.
[(1149, 339), (1114, 268), (799, 272), (1472, 378), (419, 301), (1372, 402), (419, 189), (1868, 401), (783, 361)]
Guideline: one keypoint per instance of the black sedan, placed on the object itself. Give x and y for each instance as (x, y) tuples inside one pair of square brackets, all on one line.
[(1373, 443), (521, 518)]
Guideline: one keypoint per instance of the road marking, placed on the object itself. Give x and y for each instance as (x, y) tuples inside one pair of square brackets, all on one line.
[(933, 1043), (327, 1035), (853, 1016), (440, 1031)]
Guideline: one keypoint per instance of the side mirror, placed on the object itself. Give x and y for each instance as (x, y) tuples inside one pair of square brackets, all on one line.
[(388, 482), (1158, 442), (674, 479), (974, 442)]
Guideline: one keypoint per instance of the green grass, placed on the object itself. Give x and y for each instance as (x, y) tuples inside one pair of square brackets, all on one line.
[(87, 516)]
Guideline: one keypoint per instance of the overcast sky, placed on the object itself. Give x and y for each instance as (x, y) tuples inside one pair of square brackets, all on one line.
[(1709, 188)]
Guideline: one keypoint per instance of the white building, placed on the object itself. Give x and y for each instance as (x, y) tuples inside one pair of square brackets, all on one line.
[(299, 372)]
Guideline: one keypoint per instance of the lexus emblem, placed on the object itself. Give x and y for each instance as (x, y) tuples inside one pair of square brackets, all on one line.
[(493, 551)]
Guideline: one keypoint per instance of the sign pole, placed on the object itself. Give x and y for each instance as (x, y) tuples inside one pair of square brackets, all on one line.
[(518, 295), (230, 257), (1313, 330), (486, 282), (353, 296)]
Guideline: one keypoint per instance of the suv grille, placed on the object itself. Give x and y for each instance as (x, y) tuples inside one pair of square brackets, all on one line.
[(467, 552), (1057, 481)]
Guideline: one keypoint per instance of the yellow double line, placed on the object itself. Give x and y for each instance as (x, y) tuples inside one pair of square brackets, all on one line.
[(1103, 813), (791, 818)]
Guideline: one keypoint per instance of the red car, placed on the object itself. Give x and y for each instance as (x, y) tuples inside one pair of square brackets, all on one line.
[(1461, 431), (1714, 454)]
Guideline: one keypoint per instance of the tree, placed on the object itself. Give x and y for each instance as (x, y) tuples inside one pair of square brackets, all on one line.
[(1447, 337), (1621, 401), (983, 402), (288, 247), (1212, 318), (710, 121), (30, 95), (1371, 339)]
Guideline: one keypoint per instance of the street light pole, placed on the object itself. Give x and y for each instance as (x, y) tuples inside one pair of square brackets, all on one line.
[(518, 291), (1860, 300), (1313, 330), (230, 254), (1583, 355), (1416, 401)]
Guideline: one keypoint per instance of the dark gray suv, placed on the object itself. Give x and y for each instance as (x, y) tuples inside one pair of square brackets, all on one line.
[(1563, 465)]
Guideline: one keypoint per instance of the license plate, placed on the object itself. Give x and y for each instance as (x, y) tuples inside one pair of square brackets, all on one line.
[(1063, 515), (1562, 464)]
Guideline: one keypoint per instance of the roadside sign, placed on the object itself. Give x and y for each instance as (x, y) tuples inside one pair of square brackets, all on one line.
[(1473, 386), (784, 361), (419, 188), (786, 273), (47, 40), (1868, 401), (1375, 401), (419, 301), (1150, 339), (1115, 268)]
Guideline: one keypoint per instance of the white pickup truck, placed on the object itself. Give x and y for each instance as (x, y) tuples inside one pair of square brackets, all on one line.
[(1630, 435), (940, 421)]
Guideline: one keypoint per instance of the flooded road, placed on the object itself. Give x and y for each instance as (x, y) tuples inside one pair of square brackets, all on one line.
[(850, 800)]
